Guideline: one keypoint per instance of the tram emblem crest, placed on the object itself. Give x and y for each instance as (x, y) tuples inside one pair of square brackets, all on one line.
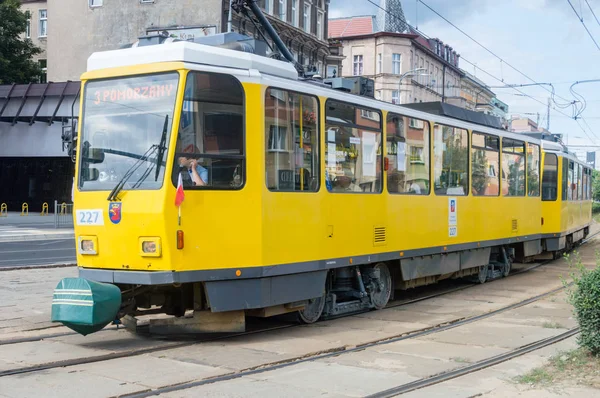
[(114, 212)]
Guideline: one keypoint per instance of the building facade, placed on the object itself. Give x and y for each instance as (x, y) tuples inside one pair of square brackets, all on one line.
[(475, 95), (111, 24), (523, 125), (388, 57), (37, 30)]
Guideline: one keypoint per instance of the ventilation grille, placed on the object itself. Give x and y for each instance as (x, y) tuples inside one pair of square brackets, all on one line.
[(379, 236), (515, 225)]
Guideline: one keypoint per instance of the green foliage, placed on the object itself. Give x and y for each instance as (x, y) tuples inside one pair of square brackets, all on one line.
[(16, 52), (596, 185), (595, 208), (584, 295)]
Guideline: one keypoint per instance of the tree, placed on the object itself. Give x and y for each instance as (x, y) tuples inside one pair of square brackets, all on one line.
[(16, 52), (596, 185)]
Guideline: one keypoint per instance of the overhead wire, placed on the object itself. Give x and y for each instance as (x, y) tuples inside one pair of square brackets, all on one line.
[(590, 7), (494, 77), (502, 61), (583, 23)]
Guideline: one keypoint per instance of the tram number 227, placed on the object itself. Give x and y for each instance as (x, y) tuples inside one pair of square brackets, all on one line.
[(452, 231), (89, 217)]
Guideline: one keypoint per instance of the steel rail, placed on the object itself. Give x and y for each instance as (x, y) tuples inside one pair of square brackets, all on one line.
[(341, 350), (485, 363)]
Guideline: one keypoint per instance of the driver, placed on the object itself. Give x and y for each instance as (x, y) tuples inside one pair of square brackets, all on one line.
[(198, 174)]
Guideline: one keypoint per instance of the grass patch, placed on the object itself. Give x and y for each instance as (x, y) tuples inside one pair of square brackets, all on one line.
[(460, 360), (576, 366), (553, 325)]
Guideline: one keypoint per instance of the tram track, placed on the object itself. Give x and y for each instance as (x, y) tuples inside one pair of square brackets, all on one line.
[(307, 357), (485, 363), (342, 350)]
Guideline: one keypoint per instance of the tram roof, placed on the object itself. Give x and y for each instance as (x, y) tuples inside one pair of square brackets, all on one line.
[(184, 51)]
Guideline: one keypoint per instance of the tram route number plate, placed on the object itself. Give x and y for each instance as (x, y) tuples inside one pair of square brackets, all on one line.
[(452, 231), (89, 217)]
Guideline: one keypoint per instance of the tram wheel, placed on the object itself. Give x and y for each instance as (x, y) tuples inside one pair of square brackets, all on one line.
[(383, 291), (313, 310)]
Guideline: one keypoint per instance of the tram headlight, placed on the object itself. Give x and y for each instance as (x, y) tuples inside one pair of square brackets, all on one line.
[(150, 247), (88, 245)]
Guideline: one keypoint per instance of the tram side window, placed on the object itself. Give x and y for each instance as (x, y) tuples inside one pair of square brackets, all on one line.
[(513, 167), (580, 183), (210, 146), (570, 190), (485, 164), (451, 169), (353, 149), (549, 177), (565, 179), (585, 183), (533, 170), (292, 141), (408, 153)]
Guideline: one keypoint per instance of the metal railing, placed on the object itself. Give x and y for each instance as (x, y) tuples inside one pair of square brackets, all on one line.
[(63, 215)]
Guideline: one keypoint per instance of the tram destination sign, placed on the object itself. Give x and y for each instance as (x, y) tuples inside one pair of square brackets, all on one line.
[(140, 89)]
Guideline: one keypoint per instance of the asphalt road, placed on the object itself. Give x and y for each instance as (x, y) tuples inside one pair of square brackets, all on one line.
[(41, 252)]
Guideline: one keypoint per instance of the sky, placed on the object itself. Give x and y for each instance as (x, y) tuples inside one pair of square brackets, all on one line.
[(543, 39)]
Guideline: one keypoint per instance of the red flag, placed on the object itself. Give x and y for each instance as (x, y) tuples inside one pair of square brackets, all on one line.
[(179, 195)]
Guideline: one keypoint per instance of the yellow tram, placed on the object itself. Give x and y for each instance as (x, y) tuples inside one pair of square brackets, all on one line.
[(293, 196)]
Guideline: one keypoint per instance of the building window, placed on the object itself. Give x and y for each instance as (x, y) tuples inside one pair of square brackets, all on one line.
[(212, 131), (28, 26), (485, 164), (295, 12), (292, 137), (407, 148), (379, 63), (513, 167), (44, 67), (332, 70), (283, 10), (269, 6), (43, 32), (550, 177), (353, 151), (306, 18), (451, 169), (533, 170), (358, 65), (320, 25), (97, 3), (396, 64), (395, 97)]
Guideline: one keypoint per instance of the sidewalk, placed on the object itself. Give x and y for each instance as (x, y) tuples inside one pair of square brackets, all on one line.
[(15, 228)]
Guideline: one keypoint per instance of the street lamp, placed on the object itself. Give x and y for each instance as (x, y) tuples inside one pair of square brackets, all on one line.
[(409, 73)]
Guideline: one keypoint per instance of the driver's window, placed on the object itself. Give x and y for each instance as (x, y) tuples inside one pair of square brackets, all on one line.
[(210, 144)]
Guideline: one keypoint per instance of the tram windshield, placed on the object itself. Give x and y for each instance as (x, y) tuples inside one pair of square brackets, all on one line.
[(126, 124)]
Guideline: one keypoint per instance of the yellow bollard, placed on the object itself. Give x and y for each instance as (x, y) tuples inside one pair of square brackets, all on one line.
[(25, 209), (63, 208), (3, 210), (45, 209)]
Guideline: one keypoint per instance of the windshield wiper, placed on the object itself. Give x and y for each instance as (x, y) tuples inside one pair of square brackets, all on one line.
[(115, 191), (158, 163), (161, 148)]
